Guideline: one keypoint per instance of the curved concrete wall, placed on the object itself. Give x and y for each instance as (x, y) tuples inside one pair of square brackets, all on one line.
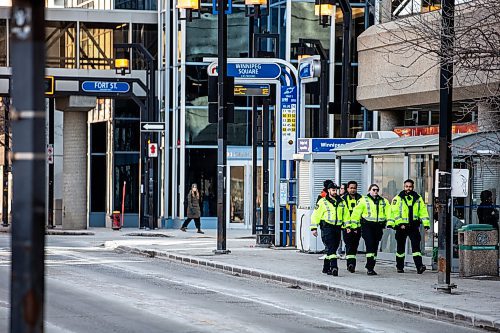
[(395, 70)]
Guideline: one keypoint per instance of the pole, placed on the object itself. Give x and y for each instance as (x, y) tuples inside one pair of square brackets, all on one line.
[(345, 6), (323, 103), (50, 213), (445, 161), (222, 129), (28, 131), (123, 203), (254, 166), (264, 210), (6, 163)]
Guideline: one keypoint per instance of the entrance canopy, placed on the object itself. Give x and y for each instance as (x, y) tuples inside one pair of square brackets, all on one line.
[(469, 144)]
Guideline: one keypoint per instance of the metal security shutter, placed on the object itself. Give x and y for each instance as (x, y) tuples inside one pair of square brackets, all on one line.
[(353, 171), (486, 177), (304, 197), (322, 171)]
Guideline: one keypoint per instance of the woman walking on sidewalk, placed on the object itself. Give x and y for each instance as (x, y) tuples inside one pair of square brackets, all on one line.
[(193, 209)]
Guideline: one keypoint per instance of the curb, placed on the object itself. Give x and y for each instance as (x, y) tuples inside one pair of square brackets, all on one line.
[(394, 303), (68, 232)]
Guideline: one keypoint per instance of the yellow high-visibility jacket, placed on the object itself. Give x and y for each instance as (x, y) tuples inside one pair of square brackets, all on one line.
[(332, 214), (400, 209), (367, 210)]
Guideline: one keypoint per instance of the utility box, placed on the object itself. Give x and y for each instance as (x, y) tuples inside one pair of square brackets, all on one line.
[(478, 250)]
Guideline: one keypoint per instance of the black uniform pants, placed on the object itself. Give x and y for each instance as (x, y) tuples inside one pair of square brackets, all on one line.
[(330, 235), (413, 232), (351, 240), (197, 222), (372, 234)]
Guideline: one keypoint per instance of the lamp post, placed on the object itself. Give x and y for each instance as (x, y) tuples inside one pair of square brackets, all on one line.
[(149, 168), (445, 161)]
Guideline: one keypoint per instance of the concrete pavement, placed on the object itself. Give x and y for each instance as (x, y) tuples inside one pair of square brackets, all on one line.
[(475, 302)]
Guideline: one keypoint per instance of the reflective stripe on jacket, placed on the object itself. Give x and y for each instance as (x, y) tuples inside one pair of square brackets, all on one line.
[(400, 210), (329, 213), (370, 212)]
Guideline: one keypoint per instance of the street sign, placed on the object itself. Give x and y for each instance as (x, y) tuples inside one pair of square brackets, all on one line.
[(105, 87), (248, 70), (153, 150), (459, 183), (152, 127)]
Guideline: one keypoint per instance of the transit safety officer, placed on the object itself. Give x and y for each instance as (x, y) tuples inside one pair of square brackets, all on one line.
[(331, 212), (409, 211), (352, 231), (373, 213)]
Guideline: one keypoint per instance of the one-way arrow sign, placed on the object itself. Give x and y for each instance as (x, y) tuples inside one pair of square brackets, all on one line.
[(152, 127)]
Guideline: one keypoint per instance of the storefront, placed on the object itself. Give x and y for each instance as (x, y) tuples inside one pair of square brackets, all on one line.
[(391, 161)]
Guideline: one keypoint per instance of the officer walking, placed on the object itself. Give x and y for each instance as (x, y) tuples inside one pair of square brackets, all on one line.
[(331, 212), (352, 231), (409, 211), (372, 212)]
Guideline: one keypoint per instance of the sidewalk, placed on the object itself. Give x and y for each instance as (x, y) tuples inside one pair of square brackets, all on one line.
[(475, 302)]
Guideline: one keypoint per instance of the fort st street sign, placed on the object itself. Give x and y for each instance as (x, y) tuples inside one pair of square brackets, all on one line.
[(105, 87), (152, 127)]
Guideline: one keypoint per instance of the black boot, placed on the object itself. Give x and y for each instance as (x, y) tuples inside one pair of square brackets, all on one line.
[(326, 266), (400, 264), (334, 270), (351, 265)]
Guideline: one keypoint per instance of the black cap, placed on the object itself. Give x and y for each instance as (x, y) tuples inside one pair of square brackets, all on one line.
[(326, 183), (332, 185)]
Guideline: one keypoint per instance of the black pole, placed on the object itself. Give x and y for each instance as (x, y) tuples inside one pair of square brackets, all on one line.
[(6, 162), (50, 184), (28, 131), (323, 103), (255, 219), (445, 167), (264, 210), (345, 6), (222, 128)]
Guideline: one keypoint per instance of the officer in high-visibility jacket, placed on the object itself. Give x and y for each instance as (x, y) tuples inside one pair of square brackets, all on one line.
[(409, 211), (372, 213), (331, 212), (351, 232)]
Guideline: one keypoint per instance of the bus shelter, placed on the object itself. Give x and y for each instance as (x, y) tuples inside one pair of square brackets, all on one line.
[(390, 161)]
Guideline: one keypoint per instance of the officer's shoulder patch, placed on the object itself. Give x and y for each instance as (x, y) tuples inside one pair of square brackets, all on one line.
[(394, 200), (316, 207)]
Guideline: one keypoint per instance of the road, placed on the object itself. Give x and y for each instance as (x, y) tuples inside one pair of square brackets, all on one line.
[(91, 289)]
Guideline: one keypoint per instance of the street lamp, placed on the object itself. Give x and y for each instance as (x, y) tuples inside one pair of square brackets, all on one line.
[(325, 10), (149, 169), (190, 6), (253, 8)]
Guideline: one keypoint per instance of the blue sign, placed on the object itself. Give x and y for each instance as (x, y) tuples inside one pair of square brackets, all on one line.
[(321, 145), (105, 87), (254, 71), (303, 145), (306, 71)]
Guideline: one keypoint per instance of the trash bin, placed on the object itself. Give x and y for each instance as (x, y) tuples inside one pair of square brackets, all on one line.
[(116, 223), (478, 250)]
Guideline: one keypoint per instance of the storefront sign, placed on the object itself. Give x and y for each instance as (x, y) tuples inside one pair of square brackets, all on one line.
[(321, 145), (434, 129)]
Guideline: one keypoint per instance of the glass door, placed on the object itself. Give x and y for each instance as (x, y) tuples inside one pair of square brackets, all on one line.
[(238, 187)]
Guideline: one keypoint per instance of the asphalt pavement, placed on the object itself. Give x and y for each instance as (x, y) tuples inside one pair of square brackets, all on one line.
[(475, 301)]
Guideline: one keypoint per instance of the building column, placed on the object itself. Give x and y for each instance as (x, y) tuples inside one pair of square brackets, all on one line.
[(488, 116), (75, 164), (75, 171), (390, 119)]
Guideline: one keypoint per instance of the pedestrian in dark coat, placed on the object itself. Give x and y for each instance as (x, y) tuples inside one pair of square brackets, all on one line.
[(486, 211), (193, 209)]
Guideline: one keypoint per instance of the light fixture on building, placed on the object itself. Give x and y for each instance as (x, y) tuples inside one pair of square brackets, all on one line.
[(324, 9), (190, 6), (253, 8), (122, 66)]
